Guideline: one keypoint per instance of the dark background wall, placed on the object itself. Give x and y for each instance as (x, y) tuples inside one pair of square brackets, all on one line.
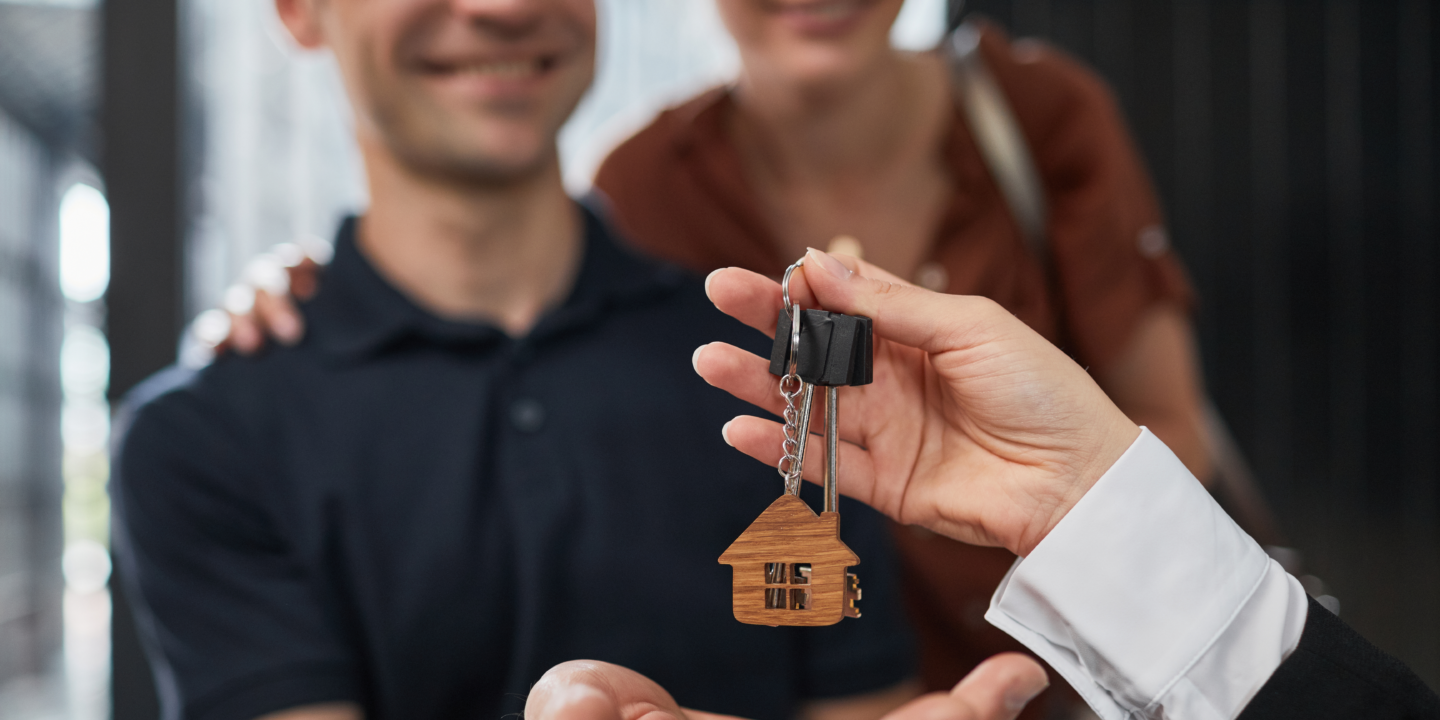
[(1295, 146), (141, 158)]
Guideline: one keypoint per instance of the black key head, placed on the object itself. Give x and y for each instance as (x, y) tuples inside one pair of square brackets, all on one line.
[(835, 349)]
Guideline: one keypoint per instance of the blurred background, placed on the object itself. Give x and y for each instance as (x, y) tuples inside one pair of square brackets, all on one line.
[(150, 148)]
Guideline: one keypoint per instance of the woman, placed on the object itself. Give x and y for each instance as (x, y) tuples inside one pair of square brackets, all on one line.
[(829, 131)]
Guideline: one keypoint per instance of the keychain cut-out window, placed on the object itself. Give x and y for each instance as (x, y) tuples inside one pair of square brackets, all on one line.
[(775, 573), (779, 579), (799, 599), (800, 574), (775, 599)]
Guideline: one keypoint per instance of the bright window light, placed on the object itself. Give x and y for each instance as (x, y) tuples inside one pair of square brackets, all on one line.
[(84, 363), (920, 25), (84, 243)]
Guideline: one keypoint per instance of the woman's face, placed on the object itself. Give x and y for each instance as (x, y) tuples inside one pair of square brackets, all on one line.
[(810, 41)]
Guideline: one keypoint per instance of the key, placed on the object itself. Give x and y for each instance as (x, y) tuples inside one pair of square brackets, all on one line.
[(790, 566), (835, 349)]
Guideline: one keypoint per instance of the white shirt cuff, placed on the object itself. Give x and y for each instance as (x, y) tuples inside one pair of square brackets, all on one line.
[(1150, 600)]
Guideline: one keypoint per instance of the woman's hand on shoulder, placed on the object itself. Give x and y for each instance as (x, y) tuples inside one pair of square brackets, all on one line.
[(261, 306)]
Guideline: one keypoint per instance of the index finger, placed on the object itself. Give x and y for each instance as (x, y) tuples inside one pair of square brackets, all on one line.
[(752, 298), (755, 299)]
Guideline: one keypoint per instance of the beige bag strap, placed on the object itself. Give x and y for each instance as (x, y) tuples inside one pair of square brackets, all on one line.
[(997, 134), (1007, 156)]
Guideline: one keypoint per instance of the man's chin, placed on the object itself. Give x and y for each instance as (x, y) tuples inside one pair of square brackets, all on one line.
[(491, 165)]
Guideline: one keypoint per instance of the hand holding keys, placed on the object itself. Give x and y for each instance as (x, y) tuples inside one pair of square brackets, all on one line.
[(790, 566), (974, 427)]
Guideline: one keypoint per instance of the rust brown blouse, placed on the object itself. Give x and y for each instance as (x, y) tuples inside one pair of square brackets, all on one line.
[(678, 191)]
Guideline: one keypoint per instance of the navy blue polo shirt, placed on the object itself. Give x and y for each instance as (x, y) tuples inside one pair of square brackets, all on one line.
[(422, 516)]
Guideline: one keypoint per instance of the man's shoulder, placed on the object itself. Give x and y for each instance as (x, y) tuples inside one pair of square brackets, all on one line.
[(190, 409)]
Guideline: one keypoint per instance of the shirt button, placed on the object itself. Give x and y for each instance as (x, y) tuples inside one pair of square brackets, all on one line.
[(1153, 241), (527, 415)]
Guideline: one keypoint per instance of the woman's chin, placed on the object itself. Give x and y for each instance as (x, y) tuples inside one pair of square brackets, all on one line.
[(827, 67)]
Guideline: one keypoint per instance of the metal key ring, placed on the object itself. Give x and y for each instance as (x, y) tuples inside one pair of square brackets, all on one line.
[(785, 285), (794, 338)]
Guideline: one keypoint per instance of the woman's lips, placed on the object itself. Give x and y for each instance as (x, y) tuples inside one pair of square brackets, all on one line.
[(822, 17)]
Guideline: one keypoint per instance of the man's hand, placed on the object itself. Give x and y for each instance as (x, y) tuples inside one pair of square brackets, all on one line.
[(593, 690), (997, 689), (975, 427)]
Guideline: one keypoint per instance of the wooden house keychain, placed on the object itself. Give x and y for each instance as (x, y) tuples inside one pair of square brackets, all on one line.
[(790, 566)]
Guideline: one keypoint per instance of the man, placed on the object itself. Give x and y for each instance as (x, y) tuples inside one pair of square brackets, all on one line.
[(1132, 582), (487, 455)]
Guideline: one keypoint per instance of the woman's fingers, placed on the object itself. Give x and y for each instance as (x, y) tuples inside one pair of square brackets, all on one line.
[(761, 439), (747, 377), (269, 277), (278, 316), (211, 329), (246, 337), (304, 278), (934, 322), (754, 299), (740, 373)]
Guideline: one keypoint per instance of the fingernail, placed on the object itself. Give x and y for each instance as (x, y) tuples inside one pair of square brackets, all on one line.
[(286, 329), (725, 433), (266, 272), (1020, 695), (828, 263), (239, 299), (212, 327), (710, 277), (565, 702), (695, 358), (578, 693)]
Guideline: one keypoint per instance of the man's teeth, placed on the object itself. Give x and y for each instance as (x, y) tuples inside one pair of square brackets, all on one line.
[(503, 69), (830, 10)]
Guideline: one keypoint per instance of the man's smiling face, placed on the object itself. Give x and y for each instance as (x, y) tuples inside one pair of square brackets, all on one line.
[(471, 90)]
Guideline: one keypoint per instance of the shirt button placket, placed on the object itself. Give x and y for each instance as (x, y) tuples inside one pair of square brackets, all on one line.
[(527, 414)]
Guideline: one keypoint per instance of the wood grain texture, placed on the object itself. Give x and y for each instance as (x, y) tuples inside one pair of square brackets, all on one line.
[(790, 532)]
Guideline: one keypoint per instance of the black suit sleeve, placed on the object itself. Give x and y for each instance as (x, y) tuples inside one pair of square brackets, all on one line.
[(1335, 673)]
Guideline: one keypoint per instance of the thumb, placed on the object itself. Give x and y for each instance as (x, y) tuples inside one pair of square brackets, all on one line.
[(594, 690), (997, 689), (1001, 686), (909, 315), (579, 702)]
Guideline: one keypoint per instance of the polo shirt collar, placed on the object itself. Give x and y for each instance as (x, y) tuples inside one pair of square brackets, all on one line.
[(358, 313)]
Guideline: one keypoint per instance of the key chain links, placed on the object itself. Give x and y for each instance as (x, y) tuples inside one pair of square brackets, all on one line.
[(797, 420), (791, 387)]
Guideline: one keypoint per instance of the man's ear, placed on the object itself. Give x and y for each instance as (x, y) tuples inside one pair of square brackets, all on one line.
[(302, 19)]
